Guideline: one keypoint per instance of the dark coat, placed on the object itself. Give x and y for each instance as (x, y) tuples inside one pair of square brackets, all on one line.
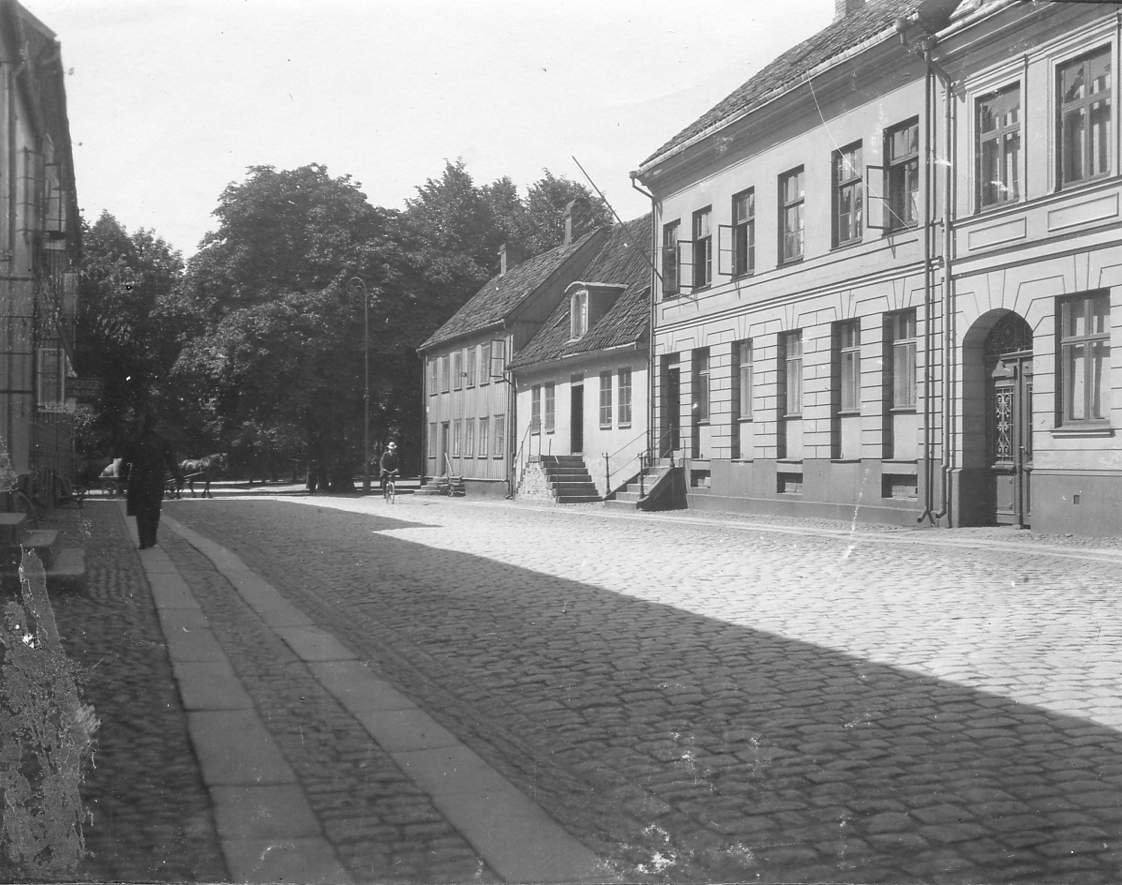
[(389, 460), (144, 462)]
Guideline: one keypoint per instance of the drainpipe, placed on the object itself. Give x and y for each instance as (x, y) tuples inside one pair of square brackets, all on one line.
[(947, 387), (928, 232), (651, 436)]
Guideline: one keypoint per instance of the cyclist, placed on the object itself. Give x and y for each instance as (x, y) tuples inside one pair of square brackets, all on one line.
[(388, 464)]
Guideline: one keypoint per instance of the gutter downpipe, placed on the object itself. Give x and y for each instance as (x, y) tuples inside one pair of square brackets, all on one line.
[(651, 319), (928, 233), (946, 477)]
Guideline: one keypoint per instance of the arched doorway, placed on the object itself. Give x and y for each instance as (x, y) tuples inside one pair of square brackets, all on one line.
[(1007, 356)]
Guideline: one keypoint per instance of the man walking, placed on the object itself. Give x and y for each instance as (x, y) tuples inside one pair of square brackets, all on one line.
[(143, 463)]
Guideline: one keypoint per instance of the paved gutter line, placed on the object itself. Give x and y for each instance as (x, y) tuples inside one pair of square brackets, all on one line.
[(512, 833), (265, 824)]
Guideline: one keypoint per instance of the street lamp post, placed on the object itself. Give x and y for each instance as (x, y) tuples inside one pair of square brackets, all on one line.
[(365, 384)]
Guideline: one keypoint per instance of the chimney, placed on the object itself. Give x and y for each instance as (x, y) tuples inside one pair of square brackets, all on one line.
[(510, 256), (578, 215), (842, 8)]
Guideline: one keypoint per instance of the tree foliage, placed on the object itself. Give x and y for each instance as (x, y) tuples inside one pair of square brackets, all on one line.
[(260, 344), (131, 321)]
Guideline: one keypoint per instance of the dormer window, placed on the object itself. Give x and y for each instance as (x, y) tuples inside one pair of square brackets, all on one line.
[(579, 314)]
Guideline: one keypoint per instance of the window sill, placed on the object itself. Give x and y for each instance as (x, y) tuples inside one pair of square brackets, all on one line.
[(849, 413), (1090, 430), (605, 426), (747, 420), (792, 416), (748, 274), (848, 244), (623, 426), (791, 262), (903, 410)]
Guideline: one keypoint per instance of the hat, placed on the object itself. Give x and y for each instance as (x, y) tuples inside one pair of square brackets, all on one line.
[(393, 445)]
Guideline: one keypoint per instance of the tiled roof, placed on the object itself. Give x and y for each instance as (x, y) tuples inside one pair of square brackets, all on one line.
[(875, 18), (500, 295), (622, 260)]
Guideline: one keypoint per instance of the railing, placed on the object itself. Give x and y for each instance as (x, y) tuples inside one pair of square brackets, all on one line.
[(644, 460)]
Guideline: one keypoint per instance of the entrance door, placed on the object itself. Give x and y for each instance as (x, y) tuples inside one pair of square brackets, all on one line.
[(442, 467), (672, 412), (576, 420), (1009, 371)]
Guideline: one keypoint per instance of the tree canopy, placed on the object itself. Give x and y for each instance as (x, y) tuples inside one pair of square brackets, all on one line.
[(258, 344)]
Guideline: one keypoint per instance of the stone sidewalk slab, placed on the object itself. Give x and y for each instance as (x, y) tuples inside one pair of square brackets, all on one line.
[(309, 861), (210, 685), (357, 689), (234, 747), (314, 644)]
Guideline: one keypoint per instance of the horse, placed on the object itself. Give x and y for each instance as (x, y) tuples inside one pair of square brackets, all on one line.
[(205, 469), (110, 478)]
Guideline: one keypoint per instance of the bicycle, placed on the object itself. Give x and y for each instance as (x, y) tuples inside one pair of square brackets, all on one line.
[(389, 487)]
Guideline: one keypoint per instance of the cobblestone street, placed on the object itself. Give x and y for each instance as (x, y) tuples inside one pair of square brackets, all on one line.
[(699, 699)]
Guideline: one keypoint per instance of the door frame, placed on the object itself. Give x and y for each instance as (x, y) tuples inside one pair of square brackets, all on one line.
[(1008, 362)]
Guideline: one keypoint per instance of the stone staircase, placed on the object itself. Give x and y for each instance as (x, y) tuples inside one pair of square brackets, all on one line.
[(629, 497), (65, 567), (569, 479)]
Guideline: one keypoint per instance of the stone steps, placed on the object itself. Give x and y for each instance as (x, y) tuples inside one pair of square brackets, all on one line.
[(569, 479)]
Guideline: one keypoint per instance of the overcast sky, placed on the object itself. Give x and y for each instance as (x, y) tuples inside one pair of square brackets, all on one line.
[(171, 100)]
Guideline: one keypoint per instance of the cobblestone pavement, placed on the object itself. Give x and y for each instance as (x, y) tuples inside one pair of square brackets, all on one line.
[(703, 700), (151, 816)]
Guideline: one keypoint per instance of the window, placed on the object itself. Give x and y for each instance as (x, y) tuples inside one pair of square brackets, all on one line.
[(791, 373), (469, 438), (901, 152), (702, 249), (1085, 358), (497, 364), (434, 372), (791, 198), (605, 399), (671, 285), (458, 369), (848, 195), (1085, 118), (550, 407), (902, 337), (471, 355), (500, 430), (445, 372), (579, 314), (483, 438), (849, 365), (624, 397), (484, 365), (744, 233), (456, 438), (999, 147), (432, 440), (536, 409), (701, 384), (742, 378)]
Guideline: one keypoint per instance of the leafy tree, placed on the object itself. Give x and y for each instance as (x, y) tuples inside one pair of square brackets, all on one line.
[(131, 322), (282, 358), (545, 204)]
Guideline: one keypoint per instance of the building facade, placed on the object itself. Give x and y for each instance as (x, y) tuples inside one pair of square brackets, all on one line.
[(39, 251), (886, 273), (469, 402), (581, 383)]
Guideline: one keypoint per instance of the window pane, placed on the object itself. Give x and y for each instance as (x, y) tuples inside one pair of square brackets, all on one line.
[(1074, 363), (1099, 382)]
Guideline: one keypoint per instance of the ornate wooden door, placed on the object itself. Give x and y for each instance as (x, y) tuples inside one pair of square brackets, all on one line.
[(1009, 364)]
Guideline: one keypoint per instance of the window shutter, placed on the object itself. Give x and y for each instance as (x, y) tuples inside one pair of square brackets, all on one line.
[(686, 274), (724, 250), (876, 203)]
